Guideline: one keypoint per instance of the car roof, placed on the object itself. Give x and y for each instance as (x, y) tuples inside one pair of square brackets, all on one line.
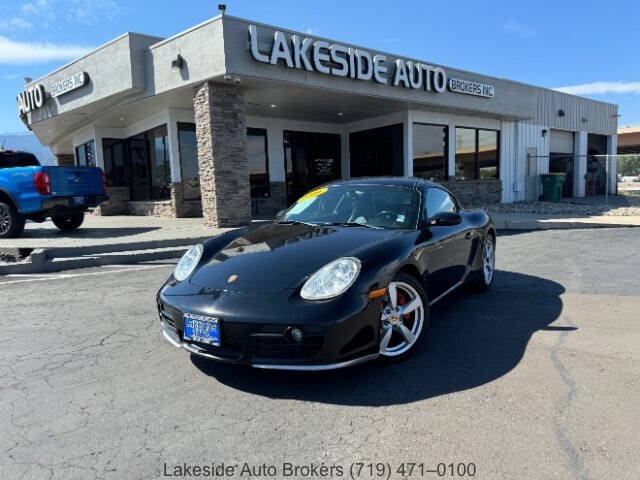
[(395, 181), (14, 152)]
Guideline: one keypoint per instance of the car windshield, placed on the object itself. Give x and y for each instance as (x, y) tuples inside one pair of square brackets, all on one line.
[(373, 206)]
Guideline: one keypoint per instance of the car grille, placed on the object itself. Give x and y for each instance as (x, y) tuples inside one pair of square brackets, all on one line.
[(275, 345), (227, 352), (166, 319)]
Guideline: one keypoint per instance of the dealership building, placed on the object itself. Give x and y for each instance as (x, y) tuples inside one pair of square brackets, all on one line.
[(233, 119)]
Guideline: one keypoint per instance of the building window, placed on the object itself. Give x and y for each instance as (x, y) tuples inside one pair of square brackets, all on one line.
[(85, 154), (477, 153), (149, 165), (116, 170), (488, 153), (159, 163), (188, 147), (258, 162), (430, 146)]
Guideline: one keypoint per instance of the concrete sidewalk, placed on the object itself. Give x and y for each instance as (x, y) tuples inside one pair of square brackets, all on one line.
[(132, 239), (101, 241), (117, 230)]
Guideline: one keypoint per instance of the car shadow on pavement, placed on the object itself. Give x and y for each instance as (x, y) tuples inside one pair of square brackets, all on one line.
[(473, 339)]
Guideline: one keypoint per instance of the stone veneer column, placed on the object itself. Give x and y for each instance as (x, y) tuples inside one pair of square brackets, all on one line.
[(223, 164)]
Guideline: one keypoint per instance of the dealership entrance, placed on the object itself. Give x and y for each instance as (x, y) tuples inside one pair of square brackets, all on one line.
[(311, 159)]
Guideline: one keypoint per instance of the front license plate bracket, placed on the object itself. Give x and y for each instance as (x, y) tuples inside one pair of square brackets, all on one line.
[(202, 329)]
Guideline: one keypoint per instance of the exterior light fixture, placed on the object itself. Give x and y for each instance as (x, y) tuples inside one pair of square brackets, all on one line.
[(340, 114), (222, 8), (561, 113), (178, 62), (273, 105), (544, 132), (584, 120)]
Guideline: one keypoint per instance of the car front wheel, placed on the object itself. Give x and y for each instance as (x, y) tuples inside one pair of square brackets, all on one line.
[(404, 317), (11, 222), (68, 221)]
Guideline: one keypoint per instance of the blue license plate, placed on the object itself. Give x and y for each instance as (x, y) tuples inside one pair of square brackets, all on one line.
[(78, 200), (201, 329)]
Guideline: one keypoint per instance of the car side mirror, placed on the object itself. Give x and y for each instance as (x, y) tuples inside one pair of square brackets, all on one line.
[(445, 219)]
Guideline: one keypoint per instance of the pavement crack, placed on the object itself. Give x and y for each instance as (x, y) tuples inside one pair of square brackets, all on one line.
[(563, 405)]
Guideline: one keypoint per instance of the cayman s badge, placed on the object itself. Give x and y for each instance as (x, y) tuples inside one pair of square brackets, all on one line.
[(232, 278)]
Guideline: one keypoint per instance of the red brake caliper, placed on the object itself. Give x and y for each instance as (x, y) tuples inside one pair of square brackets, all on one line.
[(402, 300)]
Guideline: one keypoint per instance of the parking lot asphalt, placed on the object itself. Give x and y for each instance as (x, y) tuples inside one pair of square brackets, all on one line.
[(538, 378)]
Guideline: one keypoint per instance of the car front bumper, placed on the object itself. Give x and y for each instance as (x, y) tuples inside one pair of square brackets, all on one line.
[(336, 334)]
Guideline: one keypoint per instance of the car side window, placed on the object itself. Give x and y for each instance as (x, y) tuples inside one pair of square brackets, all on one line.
[(439, 201), (18, 160)]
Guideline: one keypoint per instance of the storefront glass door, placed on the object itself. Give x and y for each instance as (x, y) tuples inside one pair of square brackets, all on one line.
[(311, 159), (140, 175)]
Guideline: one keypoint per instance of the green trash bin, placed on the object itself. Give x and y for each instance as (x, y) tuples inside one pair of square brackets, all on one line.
[(552, 186)]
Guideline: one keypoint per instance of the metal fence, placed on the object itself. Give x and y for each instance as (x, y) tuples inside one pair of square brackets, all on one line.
[(598, 171), (628, 173)]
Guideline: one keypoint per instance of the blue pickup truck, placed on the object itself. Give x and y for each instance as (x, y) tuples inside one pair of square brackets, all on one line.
[(30, 191)]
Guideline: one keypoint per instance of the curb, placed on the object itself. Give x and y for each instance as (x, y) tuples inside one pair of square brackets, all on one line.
[(506, 224), (40, 260)]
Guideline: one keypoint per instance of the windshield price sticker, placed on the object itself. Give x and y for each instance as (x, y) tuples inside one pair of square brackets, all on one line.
[(312, 194)]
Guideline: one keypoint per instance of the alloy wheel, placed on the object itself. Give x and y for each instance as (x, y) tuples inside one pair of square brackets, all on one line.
[(401, 320), (489, 261), (5, 219)]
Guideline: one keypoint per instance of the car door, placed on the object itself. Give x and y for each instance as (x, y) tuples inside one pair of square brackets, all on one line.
[(448, 246)]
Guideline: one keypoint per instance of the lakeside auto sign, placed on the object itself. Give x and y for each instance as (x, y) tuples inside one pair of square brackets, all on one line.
[(342, 61), (34, 97), (30, 99), (68, 84)]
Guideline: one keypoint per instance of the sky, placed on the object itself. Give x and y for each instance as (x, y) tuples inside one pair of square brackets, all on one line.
[(584, 47)]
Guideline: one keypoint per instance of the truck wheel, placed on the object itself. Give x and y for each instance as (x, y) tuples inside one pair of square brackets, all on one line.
[(11, 222), (68, 221)]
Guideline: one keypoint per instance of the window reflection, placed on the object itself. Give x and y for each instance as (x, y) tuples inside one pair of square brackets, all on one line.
[(430, 151), (188, 148)]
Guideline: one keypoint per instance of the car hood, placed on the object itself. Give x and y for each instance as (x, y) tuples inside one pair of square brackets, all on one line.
[(271, 258)]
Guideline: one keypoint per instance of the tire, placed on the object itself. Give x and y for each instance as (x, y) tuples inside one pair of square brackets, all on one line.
[(68, 221), (482, 280), (11, 222), (395, 343)]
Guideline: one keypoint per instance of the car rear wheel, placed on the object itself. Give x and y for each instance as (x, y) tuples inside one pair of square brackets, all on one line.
[(68, 221), (404, 317), (482, 280), (11, 222)]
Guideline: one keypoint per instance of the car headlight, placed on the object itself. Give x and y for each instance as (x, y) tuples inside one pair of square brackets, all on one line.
[(332, 279), (188, 262)]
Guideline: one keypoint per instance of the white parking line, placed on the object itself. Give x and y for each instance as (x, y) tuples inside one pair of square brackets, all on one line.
[(48, 277)]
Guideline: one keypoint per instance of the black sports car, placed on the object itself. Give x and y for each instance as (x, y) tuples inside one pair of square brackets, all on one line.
[(347, 274)]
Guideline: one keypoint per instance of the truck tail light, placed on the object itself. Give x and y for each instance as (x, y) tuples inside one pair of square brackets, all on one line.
[(42, 182)]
